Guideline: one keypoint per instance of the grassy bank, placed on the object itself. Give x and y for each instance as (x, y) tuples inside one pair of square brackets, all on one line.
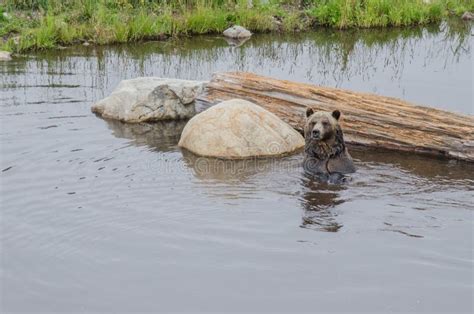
[(42, 24)]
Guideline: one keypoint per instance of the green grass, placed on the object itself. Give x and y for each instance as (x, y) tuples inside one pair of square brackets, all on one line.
[(381, 13), (43, 24), (205, 20)]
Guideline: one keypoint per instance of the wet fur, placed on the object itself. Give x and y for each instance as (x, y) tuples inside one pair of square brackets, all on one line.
[(322, 150), (327, 157)]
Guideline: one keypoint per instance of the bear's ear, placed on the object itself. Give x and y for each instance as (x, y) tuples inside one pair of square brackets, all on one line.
[(309, 112), (336, 114)]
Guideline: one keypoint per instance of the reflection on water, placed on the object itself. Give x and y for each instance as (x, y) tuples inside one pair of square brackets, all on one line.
[(404, 63), (379, 171), (160, 135), (236, 42), (228, 170), (432, 169), (101, 216), (319, 201)]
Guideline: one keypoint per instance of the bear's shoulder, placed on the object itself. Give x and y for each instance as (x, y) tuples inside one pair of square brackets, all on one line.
[(341, 163)]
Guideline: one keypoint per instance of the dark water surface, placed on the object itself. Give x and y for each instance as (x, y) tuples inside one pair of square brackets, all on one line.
[(99, 216)]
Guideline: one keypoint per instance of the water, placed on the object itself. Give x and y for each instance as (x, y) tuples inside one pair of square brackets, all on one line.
[(100, 216)]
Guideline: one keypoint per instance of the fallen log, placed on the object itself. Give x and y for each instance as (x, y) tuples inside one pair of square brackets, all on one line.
[(367, 119)]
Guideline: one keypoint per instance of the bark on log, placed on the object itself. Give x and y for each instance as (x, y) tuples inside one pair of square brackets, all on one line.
[(367, 119)]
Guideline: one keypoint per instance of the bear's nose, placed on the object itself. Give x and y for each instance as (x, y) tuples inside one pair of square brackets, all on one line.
[(315, 133)]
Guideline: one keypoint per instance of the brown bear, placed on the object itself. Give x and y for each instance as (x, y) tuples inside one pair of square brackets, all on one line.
[(326, 154)]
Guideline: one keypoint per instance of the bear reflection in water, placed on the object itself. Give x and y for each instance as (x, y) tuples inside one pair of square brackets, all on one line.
[(317, 198), (318, 201)]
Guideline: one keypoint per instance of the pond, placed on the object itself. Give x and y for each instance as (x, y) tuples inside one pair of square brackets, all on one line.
[(99, 216)]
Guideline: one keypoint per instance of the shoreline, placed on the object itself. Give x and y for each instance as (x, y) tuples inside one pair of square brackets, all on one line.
[(102, 23)]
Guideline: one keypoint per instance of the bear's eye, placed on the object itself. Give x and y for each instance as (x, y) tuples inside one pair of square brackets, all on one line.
[(325, 124)]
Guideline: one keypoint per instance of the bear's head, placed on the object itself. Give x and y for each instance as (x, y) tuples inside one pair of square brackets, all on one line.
[(321, 125), (323, 134)]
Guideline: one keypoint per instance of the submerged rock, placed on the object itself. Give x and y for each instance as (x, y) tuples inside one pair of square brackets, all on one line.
[(237, 32), (5, 56), (147, 99), (468, 16), (236, 129)]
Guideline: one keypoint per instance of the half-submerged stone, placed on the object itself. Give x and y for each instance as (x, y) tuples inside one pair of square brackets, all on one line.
[(148, 99), (468, 16), (5, 56), (237, 32), (236, 129)]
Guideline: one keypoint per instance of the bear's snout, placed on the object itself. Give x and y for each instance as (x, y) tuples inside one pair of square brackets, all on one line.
[(316, 134)]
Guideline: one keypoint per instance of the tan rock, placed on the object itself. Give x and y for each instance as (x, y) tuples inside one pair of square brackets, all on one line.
[(5, 56), (236, 129), (237, 32)]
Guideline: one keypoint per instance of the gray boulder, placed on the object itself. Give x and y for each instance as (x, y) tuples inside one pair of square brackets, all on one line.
[(237, 32), (147, 99)]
